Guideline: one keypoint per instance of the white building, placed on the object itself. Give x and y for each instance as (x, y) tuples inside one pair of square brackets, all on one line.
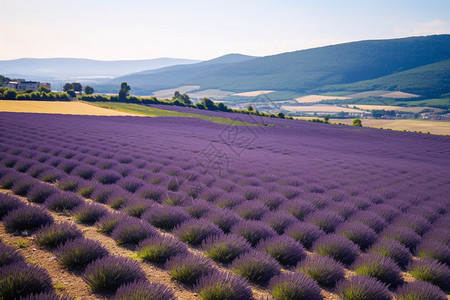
[(23, 85)]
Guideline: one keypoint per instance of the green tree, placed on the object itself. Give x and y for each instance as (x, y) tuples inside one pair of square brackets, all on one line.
[(77, 87), (280, 115), (124, 91), (72, 93), (326, 118), (10, 94), (67, 87), (183, 98), (43, 89), (4, 80), (208, 104), (357, 122), (88, 90)]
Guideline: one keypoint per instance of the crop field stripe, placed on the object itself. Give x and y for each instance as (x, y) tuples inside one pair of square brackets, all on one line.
[(157, 112)]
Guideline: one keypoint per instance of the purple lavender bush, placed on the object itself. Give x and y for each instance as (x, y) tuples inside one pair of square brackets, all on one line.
[(22, 279), (9, 203), (187, 268), (68, 183), (385, 211), (9, 255), (200, 208), (431, 270), (392, 249), (40, 192), (253, 231), (223, 218), (107, 176), (251, 210), (108, 222), (337, 247), (305, 233), (417, 223), (225, 248), (380, 267), (159, 248), (284, 249), (441, 235), (419, 290), (228, 200), (85, 172), (132, 231), (51, 175), (165, 217), (271, 200), (223, 286), (43, 296), (22, 186), (279, 220), (362, 287), (358, 233), (63, 202), (323, 269), (135, 207), (298, 208), (370, 219), (107, 274), (26, 218), (405, 236), (52, 235), (325, 220), (151, 192), (194, 231), (434, 249), (117, 199), (130, 184), (144, 290), (89, 213), (343, 209), (79, 252), (294, 286), (257, 267)]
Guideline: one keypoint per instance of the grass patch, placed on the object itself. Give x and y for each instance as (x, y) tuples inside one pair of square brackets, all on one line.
[(157, 112)]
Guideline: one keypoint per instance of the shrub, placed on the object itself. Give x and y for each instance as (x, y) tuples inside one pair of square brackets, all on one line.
[(51, 236), (430, 270), (9, 203), (151, 192), (107, 176), (110, 272), (51, 175), (9, 255), (165, 217), (68, 166), (116, 200), (344, 209), (132, 231), (434, 249), (187, 268), (305, 233), (175, 199), (417, 223), (370, 219), (89, 213), (223, 286), (385, 211), (23, 165), (223, 218), (7, 181), (44, 296), (130, 184), (362, 287), (337, 247), (159, 248), (135, 207), (225, 248), (441, 235), (279, 220), (420, 290), (323, 269), (108, 222), (40, 192), (380, 267), (68, 183), (22, 186), (144, 290), (298, 208), (21, 279), (358, 233), (325, 220), (228, 200), (102, 193), (200, 208), (63, 202), (26, 218), (392, 249), (272, 200), (253, 231), (36, 170), (194, 231), (79, 252), (284, 249), (257, 267), (294, 286), (251, 210), (406, 236), (86, 188)]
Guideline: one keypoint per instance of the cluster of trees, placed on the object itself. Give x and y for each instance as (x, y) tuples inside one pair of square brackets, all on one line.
[(4, 80), (380, 113), (42, 94), (72, 88)]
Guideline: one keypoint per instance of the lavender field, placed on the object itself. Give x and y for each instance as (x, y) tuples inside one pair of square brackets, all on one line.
[(182, 208)]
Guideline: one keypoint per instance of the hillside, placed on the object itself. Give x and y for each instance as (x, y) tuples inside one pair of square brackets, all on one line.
[(312, 69)]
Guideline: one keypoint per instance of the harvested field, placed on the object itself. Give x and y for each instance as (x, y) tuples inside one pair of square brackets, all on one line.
[(65, 108), (397, 108), (253, 93), (319, 108), (318, 98), (166, 94)]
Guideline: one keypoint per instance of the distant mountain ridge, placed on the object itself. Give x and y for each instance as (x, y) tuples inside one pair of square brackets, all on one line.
[(329, 68)]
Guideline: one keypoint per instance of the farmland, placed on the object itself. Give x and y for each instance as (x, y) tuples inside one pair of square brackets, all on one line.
[(185, 208)]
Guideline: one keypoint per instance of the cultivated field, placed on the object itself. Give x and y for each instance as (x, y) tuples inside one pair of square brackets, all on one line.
[(319, 108), (253, 93), (168, 94), (54, 107), (101, 207), (396, 108), (318, 98)]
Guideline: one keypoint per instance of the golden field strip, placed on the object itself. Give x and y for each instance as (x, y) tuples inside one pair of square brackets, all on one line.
[(56, 107)]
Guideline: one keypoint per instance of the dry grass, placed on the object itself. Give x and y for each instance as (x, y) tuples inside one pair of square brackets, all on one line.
[(253, 93), (399, 95), (55, 107), (396, 108), (318, 98)]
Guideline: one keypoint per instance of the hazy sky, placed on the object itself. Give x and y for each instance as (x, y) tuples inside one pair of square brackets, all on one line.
[(204, 29)]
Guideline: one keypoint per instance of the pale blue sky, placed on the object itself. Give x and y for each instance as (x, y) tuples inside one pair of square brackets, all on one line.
[(204, 29)]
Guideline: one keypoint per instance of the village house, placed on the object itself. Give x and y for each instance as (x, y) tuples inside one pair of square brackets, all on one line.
[(23, 85)]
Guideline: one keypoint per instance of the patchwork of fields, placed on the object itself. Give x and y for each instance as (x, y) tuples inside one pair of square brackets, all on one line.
[(184, 208)]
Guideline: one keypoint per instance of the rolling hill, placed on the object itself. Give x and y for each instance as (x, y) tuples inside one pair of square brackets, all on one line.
[(336, 68)]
